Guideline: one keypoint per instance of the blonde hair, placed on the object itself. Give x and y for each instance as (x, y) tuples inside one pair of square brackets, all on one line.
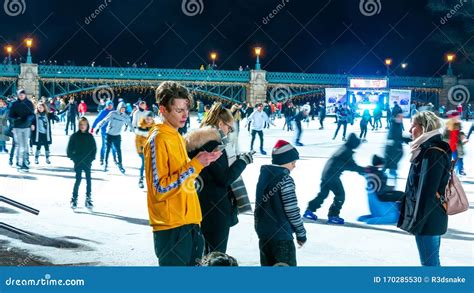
[(216, 114), (46, 109), (427, 120)]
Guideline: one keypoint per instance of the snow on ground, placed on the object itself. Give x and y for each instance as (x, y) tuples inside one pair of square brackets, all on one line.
[(117, 232)]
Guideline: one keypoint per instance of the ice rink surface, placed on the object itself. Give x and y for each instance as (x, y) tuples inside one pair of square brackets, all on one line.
[(117, 232)]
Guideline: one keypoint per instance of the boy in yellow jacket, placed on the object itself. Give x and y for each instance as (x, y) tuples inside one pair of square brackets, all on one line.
[(173, 204)]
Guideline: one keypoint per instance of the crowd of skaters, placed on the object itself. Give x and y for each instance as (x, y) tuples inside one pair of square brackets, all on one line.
[(184, 225)]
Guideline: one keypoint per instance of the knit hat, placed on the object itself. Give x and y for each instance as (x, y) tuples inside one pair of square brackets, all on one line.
[(283, 153), (20, 91), (452, 114), (377, 161), (109, 103)]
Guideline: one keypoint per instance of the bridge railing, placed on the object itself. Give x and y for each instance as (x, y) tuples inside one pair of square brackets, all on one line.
[(342, 79), (9, 70), (48, 71), (415, 81), (306, 78)]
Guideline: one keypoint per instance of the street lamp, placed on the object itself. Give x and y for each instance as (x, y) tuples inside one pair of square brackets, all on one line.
[(9, 50), (213, 58), (388, 62), (258, 51), (404, 65), (29, 43), (450, 58)]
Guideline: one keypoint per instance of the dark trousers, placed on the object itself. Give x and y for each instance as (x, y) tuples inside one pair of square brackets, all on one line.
[(104, 146), (113, 141), (260, 134), (277, 251), (181, 246), (78, 168), (71, 122), (334, 185), (363, 131), (377, 123), (215, 240), (339, 123), (321, 121), (299, 131)]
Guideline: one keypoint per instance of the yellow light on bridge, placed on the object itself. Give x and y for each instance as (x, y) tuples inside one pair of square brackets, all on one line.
[(29, 42), (450, 57), (258, 51), (9, 49), (213, 56), (388, 61)]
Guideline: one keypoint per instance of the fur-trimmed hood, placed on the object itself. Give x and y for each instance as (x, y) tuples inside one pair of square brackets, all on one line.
[(206, 138)]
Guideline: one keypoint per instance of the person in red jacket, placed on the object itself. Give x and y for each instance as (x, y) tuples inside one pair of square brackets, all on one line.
[(82, 108), (453, 135)]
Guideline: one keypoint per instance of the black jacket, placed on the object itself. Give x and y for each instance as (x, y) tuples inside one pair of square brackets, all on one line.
[(71, 109), (22, 113), (82, 148), (277, 215), (218, 204), (394, 148), (421, 211), (342, 160)]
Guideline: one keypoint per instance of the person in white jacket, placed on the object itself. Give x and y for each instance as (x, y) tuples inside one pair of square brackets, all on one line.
[(139, 114), (257, 122)]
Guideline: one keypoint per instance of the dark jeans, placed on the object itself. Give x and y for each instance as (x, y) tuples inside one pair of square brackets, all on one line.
[(334, 185), (78, 168), (428, 248), (321, 121), (181, 246), (216, 240), (299, 131), (277, 251), (363, 131), (71, 122), (104, 146), (339, 123), (113, 141), (260, 134), (377, 122)]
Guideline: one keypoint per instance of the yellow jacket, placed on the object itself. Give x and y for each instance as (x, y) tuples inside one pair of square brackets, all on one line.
[(170, 174)]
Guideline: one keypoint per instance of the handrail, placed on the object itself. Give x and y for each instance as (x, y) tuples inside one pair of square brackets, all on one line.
[(19, 205)]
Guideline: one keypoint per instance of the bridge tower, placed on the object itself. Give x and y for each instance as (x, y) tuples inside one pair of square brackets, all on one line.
[(257, 91), (29, 79)]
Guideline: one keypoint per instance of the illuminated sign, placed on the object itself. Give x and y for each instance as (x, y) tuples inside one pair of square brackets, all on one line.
[(368, 83)]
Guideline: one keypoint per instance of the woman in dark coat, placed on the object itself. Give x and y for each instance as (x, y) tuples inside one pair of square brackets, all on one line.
[(422, 213), (41, 131), (394, 148), (218, 203)]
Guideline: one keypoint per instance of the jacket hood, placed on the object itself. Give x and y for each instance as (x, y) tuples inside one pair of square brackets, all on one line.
[(269, 172), (198, 138), (353, 141)]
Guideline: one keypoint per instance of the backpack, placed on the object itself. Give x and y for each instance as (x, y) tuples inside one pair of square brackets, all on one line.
[(454, 199)]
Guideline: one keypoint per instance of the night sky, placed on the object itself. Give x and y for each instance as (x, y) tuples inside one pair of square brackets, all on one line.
[(337, 37)]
